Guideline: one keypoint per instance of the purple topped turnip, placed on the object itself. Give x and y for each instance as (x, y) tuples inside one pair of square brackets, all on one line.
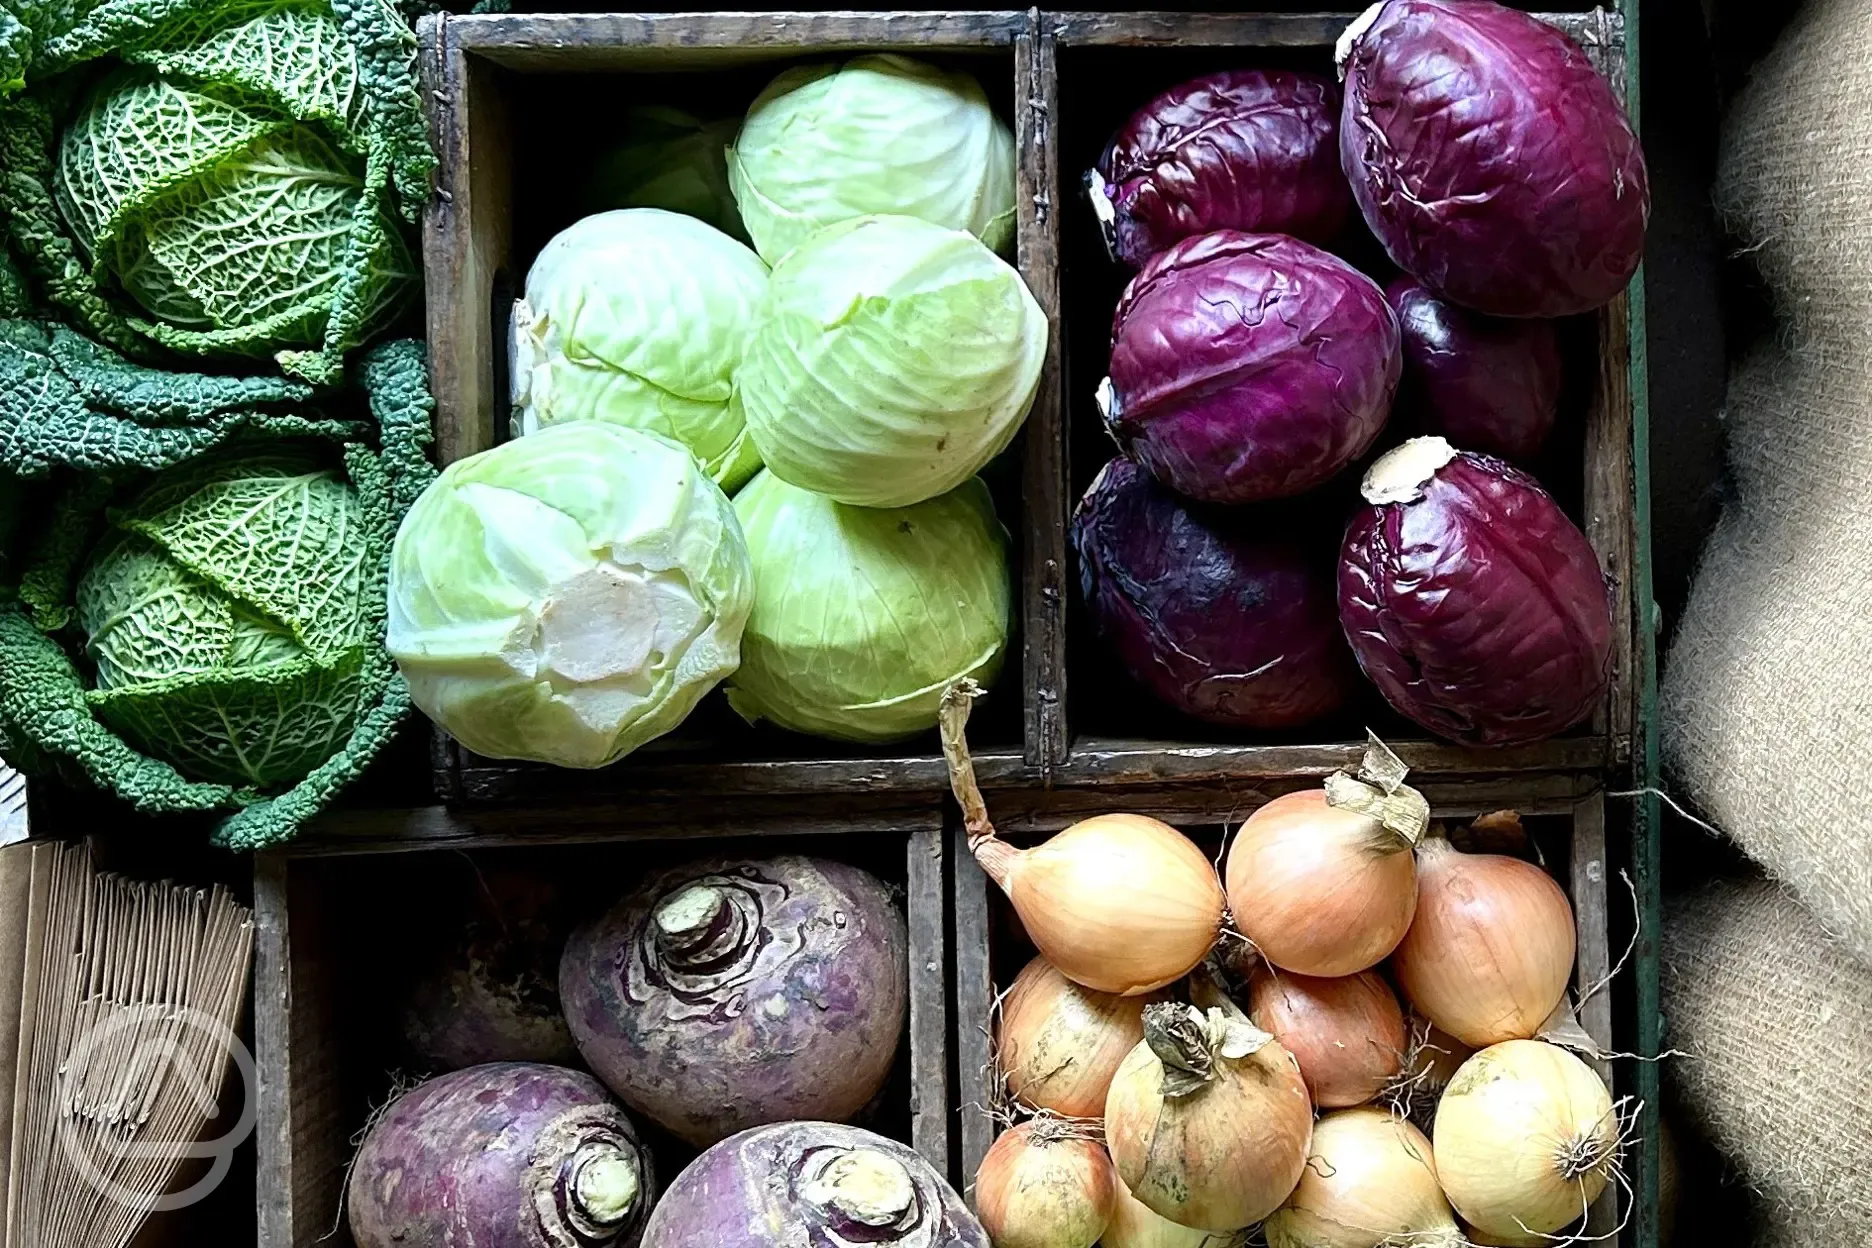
[(726, 994), (811, 1185), (484, 984), (510, 1155)]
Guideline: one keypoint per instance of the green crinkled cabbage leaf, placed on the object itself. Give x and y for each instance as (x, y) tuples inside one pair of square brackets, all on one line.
[(294, 664), (234, 189)]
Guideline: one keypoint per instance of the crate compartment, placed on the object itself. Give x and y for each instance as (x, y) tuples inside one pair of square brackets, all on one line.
[(1107, 66), (1568, 828), (515, 102), (328, 1025)]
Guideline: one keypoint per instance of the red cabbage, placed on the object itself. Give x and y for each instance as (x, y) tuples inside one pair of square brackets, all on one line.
[(1246, 149), (811, 1185), (1486, 383), (1490, 158), (1471, 600), (509, 1155), (726, 994), (1210, 610), (1249, 366)]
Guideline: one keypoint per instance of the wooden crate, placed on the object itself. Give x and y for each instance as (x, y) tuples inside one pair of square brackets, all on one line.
[(325, 1043), (498, 89), (1568, 822)]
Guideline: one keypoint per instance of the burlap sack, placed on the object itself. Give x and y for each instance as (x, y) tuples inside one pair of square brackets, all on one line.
[(1767, 695), (1778, 1025)]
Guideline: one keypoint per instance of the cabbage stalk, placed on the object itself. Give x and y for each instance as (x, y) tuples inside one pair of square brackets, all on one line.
[(569, 596), (893, 360), (640, 317), (878, 134), (863, 616)]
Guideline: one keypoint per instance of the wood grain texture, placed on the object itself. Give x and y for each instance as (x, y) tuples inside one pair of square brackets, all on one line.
[(974, 1008), (927, 911), (581, 42), (467, 237), (1265, 30), (303, 1141), (383, 831), (1610, 524), (1046, 473), (1589, 888)]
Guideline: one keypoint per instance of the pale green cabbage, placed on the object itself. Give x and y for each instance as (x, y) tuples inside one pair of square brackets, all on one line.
[(877, 134), (863, 616), (893, 360), (569, 596), (639, 317), (668, 159), (226, 616)]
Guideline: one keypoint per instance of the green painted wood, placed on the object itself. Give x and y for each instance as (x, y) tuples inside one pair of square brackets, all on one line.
[(1646, 854)]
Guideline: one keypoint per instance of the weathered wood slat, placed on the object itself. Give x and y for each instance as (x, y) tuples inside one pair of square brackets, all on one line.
[(1045, 472), (927, 911), (974, 1007), (1589, 887), (1591, 29)]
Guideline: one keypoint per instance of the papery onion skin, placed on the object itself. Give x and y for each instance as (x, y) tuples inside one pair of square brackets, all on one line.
[(1515, 1119), (768, 1187), (1475, 604), (1220, 1158), (1134, 1225), (1120, 903), (802, 1019), (1244, 149), (1038, 1189), (1347, 1034), (1059, 1043), (1370, 1182), (1491, 158), (1490, 952), (1486, 383), (1247, 367), (1320, 890)]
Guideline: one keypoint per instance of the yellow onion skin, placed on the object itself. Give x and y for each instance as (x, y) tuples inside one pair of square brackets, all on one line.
[(1218, 1159), (1511, 1125), (1059, 1043), (1123, 904), (1319, 889), (1347, 1034), (1490, 953), (1038, 1190), (1133, 1225), (1370, 1182)]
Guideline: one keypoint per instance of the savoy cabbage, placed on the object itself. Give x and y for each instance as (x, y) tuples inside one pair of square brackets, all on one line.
[(235, 186)]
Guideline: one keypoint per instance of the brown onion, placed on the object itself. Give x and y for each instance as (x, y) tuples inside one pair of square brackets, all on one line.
[(1347, 1034), (1489, 955), (1208, 1120), (1133, 1225), (1120, 903), (1042, 1186), (1370, 1182), (1322, 880), (1526, 1139), (1059, 1043)]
